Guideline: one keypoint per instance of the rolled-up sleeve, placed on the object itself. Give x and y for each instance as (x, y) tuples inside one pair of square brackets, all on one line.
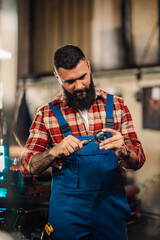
[(38, 141), (130, 136)]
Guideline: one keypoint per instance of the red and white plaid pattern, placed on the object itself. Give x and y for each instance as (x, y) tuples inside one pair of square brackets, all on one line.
[(45, 131)]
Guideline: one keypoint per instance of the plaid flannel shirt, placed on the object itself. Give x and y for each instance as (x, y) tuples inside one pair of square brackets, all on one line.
[(45, 131)]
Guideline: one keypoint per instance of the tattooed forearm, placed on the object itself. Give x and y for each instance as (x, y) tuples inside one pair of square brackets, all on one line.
[(40, 162)]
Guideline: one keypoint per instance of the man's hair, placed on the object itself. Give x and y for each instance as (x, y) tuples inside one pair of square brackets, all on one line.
[(68, 57)]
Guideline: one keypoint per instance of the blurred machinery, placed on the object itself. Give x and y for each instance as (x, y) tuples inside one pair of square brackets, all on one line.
[(24, 202)]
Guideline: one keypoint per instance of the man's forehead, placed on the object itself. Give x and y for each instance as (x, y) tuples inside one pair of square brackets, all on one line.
[(78, 71)]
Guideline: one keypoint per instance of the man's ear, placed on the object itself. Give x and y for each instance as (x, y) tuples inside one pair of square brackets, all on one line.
[(89, 65)]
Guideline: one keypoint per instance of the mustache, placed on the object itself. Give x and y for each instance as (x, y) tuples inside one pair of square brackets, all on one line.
[(81, 90)]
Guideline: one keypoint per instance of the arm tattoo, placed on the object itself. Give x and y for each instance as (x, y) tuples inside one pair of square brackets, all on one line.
[(41, 161)]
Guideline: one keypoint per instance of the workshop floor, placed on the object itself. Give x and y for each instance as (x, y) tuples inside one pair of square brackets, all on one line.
[(145, 228)]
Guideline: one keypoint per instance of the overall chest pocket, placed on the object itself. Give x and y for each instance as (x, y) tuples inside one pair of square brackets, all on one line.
[(98, 169)]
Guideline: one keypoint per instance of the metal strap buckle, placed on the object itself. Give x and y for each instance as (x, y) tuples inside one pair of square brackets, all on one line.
[(65, 128), (109, 122)]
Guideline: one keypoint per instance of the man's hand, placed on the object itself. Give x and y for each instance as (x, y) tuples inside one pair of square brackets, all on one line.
[(116, 144), (67, 146), (43, 160)]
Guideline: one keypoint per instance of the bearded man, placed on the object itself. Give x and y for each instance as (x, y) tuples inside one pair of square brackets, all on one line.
[(88, 199)]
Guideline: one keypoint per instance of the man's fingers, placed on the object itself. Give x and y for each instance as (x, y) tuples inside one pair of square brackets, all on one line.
[(114, 139), (77, 144), (69, 145), (114, 143), (110, 130), (112, 146)]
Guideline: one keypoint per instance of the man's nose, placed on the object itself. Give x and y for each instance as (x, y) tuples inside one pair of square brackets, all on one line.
[(79, 84)]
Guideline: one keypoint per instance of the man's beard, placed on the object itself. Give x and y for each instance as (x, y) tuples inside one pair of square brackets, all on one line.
[(81, 103)]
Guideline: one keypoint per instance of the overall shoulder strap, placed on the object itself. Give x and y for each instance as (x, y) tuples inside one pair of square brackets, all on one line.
[(109, 111), (62, 122)]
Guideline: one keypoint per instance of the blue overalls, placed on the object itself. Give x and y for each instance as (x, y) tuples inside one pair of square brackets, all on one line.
[(88, 199)]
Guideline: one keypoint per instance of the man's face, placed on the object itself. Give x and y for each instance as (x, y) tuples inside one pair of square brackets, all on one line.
[(78, 85), (77, 78)]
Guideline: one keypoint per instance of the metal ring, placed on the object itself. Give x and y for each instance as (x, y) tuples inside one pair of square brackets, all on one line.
[(100, 136)]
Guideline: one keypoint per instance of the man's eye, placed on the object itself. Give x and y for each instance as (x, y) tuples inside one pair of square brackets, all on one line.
[(82, 77), (70, 82)]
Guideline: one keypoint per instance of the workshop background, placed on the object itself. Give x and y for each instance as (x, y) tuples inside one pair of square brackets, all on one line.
[(121, 38)]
